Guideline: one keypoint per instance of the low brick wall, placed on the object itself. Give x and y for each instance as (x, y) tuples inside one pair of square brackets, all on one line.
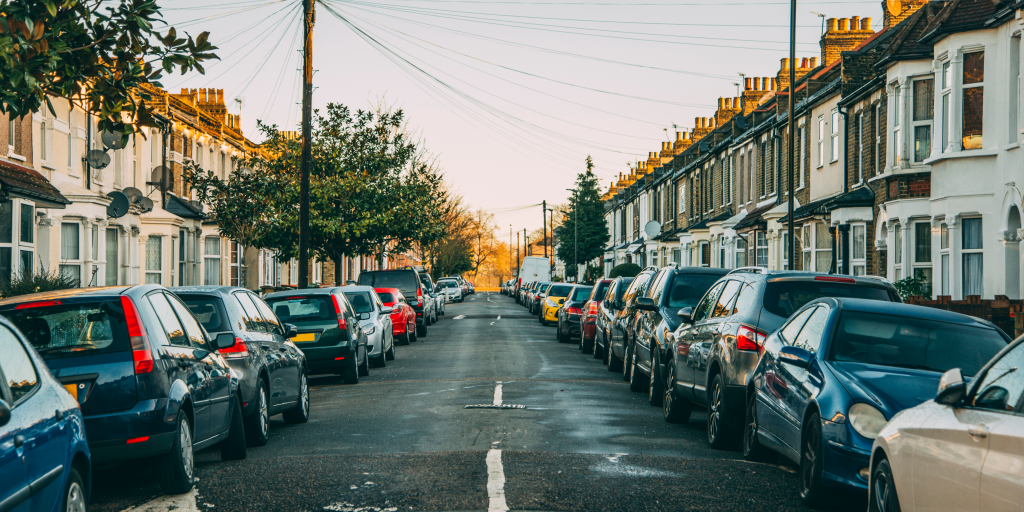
[(1002, 311)]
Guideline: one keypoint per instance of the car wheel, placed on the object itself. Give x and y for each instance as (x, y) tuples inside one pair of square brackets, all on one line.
[(421, 330), (882, 495), (350, 375), (390, 354), (753, 450), (627, 360), (257, 425), (74, 493), (675, 409), (364, 369), (636, 375), (811, 488), (542, 320), (176, 468), (300, 413), (380, 361), (233, 448), (598, 353), (655, 384), (721, 424), (411, 329), (614, 363)]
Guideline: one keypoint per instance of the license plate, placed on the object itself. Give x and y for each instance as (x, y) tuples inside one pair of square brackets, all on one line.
[(309, 336), (73, 389)]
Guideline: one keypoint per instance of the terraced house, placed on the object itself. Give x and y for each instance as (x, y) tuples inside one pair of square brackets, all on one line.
[(907, 160)]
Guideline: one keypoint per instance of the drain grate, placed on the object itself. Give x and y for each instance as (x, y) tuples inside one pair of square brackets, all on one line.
[(495, 406)]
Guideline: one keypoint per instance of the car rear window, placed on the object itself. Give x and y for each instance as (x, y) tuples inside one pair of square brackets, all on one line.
[(908, 342), (70, 330), (309, 312), (623, 286), (544, 287), (401, 279), (448, 284), (208, 310), (361, 301), (783, 298), (560, 290), (582, 293), (597, 293), (387, 297), (687, 289)]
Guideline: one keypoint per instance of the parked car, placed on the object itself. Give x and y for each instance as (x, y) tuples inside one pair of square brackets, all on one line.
[(833, 375), (328, 330), (472, 289), (961, 450), (537, 296), (606, 311), (403, 318), (720, 340), (570, 314), (44, 457), (451, 290), (588, 323), (408, 281), (671, 289), (148, 379), (375, 319), (547, 309), (430, 311), (622, 325), (271, 370)]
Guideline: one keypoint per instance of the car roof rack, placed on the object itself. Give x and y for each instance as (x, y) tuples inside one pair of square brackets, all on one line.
[(749, 270), (650, 267), (877, 278)]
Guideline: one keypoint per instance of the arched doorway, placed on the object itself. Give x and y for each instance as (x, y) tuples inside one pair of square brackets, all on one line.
[(1011, 245)]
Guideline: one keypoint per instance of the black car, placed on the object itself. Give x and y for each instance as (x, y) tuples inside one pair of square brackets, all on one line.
[(148, 378), (407, 280), (720, 341), (271, 369), (621, 327), (671, 289), (328, 330), (608, 307), (571, 312)]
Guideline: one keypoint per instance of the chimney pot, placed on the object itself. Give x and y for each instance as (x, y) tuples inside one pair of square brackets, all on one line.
[(803, 63), (679, 136), (814, 62), (721, 103), (854, 22), (746, 83), (830, 25), (785, 64), (844, 24), (773, 83), (865, 24)]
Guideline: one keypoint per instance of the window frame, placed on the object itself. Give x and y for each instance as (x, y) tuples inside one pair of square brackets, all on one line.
[(964, 252), (946, 105), (921, 268), (67, 264), (834, 137), (821, 141), (897, 125), (147, 272), (760, 249), (964, 87), (929, 123), (861, 261)]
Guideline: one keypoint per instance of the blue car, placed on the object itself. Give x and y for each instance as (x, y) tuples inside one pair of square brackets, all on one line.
[(44, 458), (839, 369), (149, 380)]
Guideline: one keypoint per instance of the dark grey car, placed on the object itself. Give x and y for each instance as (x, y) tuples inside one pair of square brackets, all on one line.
[(720, 341), (606, 311), (621, 327), (271, 369)]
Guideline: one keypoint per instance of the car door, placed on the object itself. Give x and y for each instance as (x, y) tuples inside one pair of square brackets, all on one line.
[(649, 320), (181, 364), (267, 349), (287, 353), (775, 391), (218, 374), (18, 382), (802, 384), (690, 336)]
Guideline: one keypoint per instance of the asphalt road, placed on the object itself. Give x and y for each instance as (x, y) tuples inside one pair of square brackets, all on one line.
[(403, 439)]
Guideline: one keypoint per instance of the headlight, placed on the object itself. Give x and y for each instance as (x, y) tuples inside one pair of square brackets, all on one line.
[(372, 329), (866, 420), (551, 304)]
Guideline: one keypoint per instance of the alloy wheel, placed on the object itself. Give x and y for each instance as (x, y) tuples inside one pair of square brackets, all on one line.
[(715, 413), (304, 395), (185, 438), (264, 417), (76, 498), (810, 458)]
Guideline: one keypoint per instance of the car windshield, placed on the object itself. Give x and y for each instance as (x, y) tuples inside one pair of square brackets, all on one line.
[(597, 293), (560, 290), (687, 289), (208, 310), (783, 298), (386, 297), (310, 312), (401, 279), (582, 293), (908, 342), (73, 330), (544, 287), (361, 301), (448, 284)]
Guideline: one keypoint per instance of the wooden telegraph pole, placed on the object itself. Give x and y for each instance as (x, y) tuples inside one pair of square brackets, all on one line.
[(307, 114)]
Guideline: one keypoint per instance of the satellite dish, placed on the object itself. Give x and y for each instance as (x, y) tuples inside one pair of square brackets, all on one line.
[(895, 7), (741, 122), (118, 205), (97, 159), (704, 147), (133, 193), (146, 203), (652, 228), (162, 178), (111, 140)]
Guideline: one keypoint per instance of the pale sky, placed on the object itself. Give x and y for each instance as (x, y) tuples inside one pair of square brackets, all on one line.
[(510, 95)]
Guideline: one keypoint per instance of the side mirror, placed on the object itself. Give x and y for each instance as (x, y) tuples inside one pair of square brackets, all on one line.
[(646, 304), (291, 331), (686, 315), (387, 310), (952, 387), (5, 413), (795, 356), (224, 340), (561, 301), (364, 316)]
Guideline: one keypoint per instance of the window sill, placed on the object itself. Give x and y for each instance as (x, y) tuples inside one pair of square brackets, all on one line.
[(48, 166), (1012, 145), (971, 153), (17, 157)]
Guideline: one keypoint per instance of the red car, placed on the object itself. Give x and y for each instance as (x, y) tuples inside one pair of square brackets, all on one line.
[(403, 319), (590, 311)]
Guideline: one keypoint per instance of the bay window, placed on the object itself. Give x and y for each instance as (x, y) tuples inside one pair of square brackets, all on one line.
[(973, 268), (898, 251), (924, 104), (897, 132), (973, 99), (70, 252), (947, 105), (211, 261), (741, 252), (821, 141), (944, 257), (817, 247), (233, 255), (113, 259), (154, 259), (761, 249)]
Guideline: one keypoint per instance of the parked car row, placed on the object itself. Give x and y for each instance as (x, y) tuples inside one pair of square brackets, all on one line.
[(833, 373), (98, 375)]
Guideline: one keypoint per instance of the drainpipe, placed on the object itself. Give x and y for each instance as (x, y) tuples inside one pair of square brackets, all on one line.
[(846, 161)]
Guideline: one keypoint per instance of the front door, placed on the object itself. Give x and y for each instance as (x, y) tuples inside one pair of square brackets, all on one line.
[(179, 360), (802, 384), (19, 381), (699, 338), (775, 391)]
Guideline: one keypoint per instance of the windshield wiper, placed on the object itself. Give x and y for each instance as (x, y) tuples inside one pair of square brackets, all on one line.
[(62, 347)]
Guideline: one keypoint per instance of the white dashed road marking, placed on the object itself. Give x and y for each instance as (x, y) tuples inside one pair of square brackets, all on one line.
[(497, 394), (495, 482), (460, 317)]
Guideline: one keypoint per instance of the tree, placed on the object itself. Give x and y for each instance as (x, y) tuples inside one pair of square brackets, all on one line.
[(625, 270), (583, 234), (96, 55), (485, 246)]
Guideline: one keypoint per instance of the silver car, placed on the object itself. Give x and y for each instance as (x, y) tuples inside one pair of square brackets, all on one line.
[(375, 320), (451, 289)]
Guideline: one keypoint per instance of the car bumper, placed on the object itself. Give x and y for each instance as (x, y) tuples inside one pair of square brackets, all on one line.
[(846, 454), (589, 331), (247, 382), (574, 327), (108, 434), (329, 359), (550, 314)]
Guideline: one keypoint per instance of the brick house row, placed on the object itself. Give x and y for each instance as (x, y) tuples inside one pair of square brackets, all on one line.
[(907, 160)]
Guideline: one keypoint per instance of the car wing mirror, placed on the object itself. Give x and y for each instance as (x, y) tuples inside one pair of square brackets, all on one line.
[(291, 330), (686, 315), (795, 356), (561, 301), (952, 388), (364, 316), (646, 304), (386, 310), (5, 413), (223, 340)]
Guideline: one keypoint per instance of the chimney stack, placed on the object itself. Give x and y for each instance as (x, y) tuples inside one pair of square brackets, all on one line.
[(842, 35)]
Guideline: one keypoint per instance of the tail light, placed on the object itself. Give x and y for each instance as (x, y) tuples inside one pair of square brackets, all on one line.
[(836, 279), (341, 316), (749, 339), (419, 296), (237, 351), (592, 312), (141, 354), (39, 304), (574, 311), (683, 350)]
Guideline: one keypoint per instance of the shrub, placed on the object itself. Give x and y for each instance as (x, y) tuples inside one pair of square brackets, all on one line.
[(625, 270), (37, 282)]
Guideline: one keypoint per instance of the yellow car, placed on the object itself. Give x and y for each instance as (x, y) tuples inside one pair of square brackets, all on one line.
[(550, 304)]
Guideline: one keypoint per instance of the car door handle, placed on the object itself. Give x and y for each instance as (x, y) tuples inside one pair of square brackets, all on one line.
[(18, 441), (283, 349), (978, 431), (265, 347)]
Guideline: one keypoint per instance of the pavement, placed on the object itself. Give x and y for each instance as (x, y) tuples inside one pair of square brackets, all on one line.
[(404, 439)]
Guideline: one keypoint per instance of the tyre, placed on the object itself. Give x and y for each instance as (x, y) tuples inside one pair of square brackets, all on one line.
[(637, 382), (364, 369), (257, 425), (233, 448), (380, 361), (721, 423), (676, 409), (390, 354), (655, 384), (300, 413), (542, 320), (753, 450), (74, 493), (811, 488), (421, 330), (882, 495), (350, 375), (411, 332), (176, 468), (627, 361), (406, 338), (614, 363)]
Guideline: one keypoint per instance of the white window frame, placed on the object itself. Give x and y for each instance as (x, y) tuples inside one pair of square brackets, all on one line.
[(879, 168), (761, 249), (928, 122), (858, 261), (739, 251), (860, 147), (159, 272), (730, 179), (897, 126), (45, 149), (809, 234), (945, 262), (1013, 134), (821, 141), (963, 89), (925, 267), (800, 154), (682, 198), (213, 260), (111, 269), (898, 250), (946, 106), (834, 136), (68, 265), (964, 251)]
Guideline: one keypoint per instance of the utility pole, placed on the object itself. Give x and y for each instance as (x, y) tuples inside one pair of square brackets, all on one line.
[(792, 125), (526, 244), (510, 249), (543, 222), (307, 114), (519, 269)]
